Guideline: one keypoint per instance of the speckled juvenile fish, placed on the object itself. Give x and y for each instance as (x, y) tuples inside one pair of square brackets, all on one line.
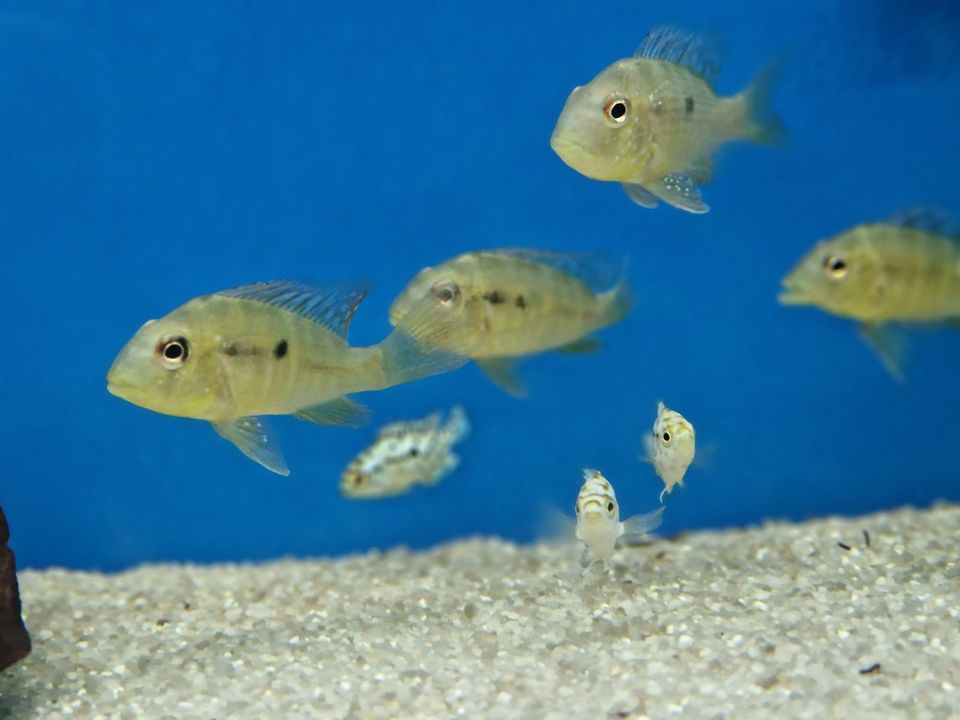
[(521, 302), (652, 121), (276, 348), (598, 519), (670, 447), (406, 454), (905, 269)]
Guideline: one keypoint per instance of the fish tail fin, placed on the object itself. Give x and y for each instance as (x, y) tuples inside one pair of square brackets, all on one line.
[(422, 344), (761, 124), (619, 301), (458, 425)]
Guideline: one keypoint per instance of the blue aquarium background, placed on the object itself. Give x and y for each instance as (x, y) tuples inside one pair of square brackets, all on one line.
[(153, 152)]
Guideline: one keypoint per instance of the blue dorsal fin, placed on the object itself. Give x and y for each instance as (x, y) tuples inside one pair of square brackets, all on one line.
[(597, 270), (332, 308), (698, 53), (931, 220)]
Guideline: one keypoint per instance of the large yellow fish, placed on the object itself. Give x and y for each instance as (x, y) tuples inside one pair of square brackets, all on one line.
[(520, 302), (905, 269), (652, 121), (277, 348)]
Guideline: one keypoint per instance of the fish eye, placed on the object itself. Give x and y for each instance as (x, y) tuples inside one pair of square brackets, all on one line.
[(609, 507), (666, 437), (445, 291), (835, 266), (173, 352), (413, 452), (359, 479), (616, 108)]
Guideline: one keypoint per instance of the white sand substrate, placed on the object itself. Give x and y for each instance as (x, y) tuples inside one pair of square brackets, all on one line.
[(776, 622)]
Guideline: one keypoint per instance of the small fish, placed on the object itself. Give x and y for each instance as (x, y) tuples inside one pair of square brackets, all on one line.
[(405, 454), (652, 121), (521, 302), (276, 348), (670, 447), (598, 519), (905, 269)]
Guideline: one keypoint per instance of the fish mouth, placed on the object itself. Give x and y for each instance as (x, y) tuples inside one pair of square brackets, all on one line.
[(792, 294)]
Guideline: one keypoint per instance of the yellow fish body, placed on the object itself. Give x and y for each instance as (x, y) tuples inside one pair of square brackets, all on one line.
[(512, 303), (652, 121), (275, 348), (905, 269)]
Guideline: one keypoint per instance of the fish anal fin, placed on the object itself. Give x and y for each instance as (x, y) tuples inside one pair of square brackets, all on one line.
[(640, 195), (251, 438), (679, 190), (339, 411), (889, 345), (502, 371), (580, 346)]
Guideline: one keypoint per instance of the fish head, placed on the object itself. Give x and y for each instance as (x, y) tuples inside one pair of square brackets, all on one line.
[(603, 131), (840, 275), (442, 287), (673, 434), (358, 482), (170, 366)]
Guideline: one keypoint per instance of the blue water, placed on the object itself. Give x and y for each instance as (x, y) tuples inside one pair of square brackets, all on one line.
[(152, 152)]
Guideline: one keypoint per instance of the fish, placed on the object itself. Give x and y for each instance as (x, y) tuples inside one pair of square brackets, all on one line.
[(273, 348), (670, 447), (653, 121), (518, 302), (904, 269), (406, 454), (598, 519)]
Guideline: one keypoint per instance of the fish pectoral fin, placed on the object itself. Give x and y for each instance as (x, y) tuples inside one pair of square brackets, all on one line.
[(502, 372), (889, 346), (251, 438), (340, 411), (586, 344), (640, 195), (638, 528), (679, 190)]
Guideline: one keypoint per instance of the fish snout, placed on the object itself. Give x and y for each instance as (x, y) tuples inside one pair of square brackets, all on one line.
[(792, 291)]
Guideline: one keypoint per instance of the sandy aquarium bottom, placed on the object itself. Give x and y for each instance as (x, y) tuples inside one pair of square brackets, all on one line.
[(836, 618)]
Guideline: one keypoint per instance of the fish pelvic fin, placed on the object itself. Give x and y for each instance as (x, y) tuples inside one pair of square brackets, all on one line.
[(425, 342), (889, 345), (759, 121), (502, 372), (251, 438)]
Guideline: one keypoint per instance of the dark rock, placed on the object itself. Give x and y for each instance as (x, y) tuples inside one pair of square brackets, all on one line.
[(14, 640)]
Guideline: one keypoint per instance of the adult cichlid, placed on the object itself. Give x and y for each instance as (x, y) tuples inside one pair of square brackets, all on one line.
[(511, 303), (652, 121), (905, 269), (275, 348)]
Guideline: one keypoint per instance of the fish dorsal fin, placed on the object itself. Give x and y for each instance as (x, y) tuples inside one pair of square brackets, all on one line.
[(597, 270), (406, 427), (331, 307), (931, 220), (698, 53)]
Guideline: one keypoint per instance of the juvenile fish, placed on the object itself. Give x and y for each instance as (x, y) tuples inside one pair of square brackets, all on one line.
[(670, 447), (511, 303), (652, 121), (276, 348), (905, 269), (598, 519), (406, 454)]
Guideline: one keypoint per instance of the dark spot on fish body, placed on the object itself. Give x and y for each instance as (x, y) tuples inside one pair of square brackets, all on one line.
[(521, 302), (688, 105), (233, 350), (280, 351), (870, 670), (494, 297), (843, 545), (414, 452)]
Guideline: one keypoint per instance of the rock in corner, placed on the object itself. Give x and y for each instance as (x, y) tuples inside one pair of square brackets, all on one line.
[(14, 640)]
